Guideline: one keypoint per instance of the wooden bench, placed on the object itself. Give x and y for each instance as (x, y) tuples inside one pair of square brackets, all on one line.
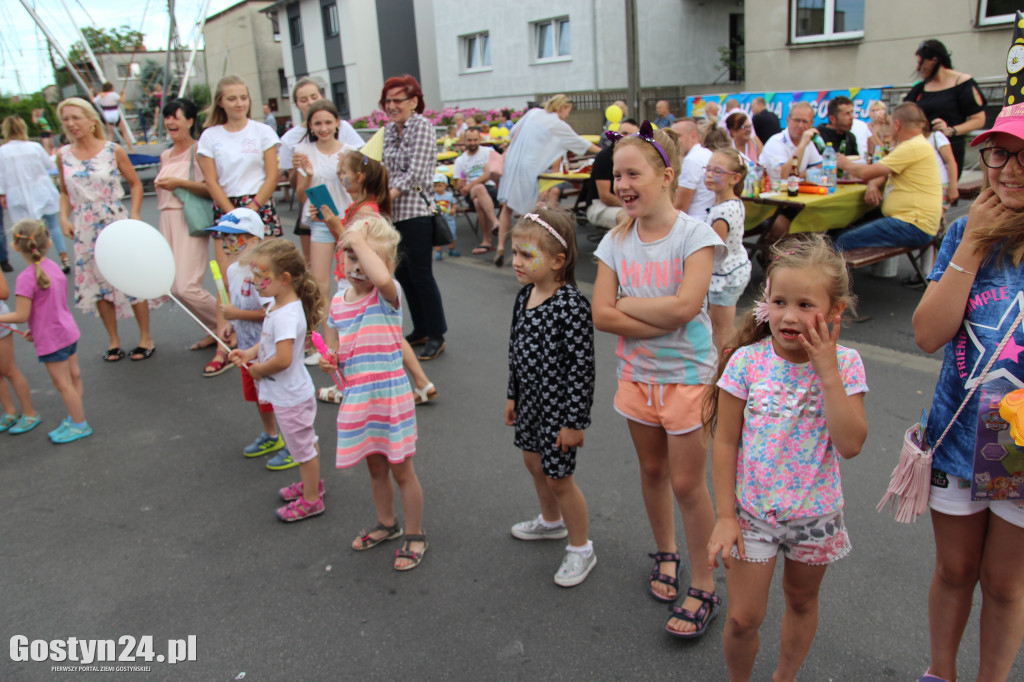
[(858, 258)]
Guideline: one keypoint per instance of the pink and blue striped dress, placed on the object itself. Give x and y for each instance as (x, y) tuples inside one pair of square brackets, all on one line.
[(377, 414)]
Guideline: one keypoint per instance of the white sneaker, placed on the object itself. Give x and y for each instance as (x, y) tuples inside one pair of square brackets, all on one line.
[(575, 568), (312, 360), (533, 530)]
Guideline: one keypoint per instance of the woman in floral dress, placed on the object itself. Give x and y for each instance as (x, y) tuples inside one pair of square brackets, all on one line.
[(90, 199)]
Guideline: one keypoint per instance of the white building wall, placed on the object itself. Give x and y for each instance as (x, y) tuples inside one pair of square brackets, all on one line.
[(360, 49), (884, 56), (678, 43)]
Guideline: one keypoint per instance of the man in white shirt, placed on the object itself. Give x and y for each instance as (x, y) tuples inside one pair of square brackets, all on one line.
[(779, 152), (692, 197), (473, 180)]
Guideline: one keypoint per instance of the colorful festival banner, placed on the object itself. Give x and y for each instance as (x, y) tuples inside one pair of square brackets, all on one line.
[(780, 102)]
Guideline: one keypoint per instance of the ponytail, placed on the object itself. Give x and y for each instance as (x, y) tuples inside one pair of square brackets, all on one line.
[(32, 240)]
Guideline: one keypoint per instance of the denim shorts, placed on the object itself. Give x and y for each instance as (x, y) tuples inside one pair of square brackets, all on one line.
[(320, 233), (60, 355), (728, 296)]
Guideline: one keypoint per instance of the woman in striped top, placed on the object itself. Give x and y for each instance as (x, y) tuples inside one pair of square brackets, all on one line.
[(377, 418)]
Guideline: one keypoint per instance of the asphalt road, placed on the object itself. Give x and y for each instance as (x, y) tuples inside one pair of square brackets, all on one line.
[(157, 526)]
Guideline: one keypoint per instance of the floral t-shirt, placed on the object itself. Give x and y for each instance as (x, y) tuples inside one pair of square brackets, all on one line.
[(787, 467)]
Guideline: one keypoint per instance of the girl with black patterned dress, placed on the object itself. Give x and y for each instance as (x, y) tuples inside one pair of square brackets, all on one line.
[(551, 383)]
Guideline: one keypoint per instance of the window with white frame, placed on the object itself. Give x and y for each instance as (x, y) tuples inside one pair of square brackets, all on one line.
[(476, 51), (552, 40), (996, 11), (818, 20)]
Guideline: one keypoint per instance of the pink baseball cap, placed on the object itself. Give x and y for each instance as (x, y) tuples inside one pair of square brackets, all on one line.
[(1011, 119)]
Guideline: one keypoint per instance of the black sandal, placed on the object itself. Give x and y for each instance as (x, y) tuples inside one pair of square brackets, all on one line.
[(406, 553), (658, 577), (140, 353), (367, 540), (113, 355), (704, 615)]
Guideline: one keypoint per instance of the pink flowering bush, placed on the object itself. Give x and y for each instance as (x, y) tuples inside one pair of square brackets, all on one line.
[(378, 118)]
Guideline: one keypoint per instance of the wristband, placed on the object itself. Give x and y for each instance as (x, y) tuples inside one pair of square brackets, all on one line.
[(256, 201), (960, 269)]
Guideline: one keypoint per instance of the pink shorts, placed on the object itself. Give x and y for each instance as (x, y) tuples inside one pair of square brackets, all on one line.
[(296, 424), (674, 407), (815, 540), (954, 499)]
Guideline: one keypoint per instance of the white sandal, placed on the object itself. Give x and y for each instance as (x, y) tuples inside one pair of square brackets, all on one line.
[(329, 394), (424, 395)]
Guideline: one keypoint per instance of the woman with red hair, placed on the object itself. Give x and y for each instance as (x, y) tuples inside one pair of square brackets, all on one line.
[(410, 155)]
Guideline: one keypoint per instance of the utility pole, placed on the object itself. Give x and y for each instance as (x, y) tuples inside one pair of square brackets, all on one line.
[(171, 41), (632, 62)]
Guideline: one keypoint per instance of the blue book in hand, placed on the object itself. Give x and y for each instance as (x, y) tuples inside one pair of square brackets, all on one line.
[(319, 197)]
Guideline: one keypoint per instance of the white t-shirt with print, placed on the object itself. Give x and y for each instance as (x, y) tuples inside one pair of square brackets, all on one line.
[(245, 296), (651, 269), (732, 267), (469, 167), (291, 386), (293, 136), (238, 156)]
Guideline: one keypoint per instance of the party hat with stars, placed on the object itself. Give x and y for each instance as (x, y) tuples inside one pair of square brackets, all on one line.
[(374, 147), (1011, 119)]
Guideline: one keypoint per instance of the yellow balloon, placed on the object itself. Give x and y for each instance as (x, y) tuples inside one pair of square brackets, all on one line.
[(503, 132), (493, 131), (654, 126), (613, 113), (613, 126)]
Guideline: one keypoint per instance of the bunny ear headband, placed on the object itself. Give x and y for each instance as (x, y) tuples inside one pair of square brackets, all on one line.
[(646, 134)]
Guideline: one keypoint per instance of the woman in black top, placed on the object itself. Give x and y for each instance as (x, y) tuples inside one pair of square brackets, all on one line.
[(951, 100)]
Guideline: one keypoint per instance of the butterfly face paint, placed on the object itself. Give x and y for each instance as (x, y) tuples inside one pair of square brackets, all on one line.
[(234, 244)]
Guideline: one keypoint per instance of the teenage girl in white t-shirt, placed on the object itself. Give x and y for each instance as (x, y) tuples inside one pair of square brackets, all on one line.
[(239, 159), (317, 158)]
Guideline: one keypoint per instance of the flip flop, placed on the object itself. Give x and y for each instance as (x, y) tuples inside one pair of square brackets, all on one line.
[(142, 353), (113, 355), (481, 249)]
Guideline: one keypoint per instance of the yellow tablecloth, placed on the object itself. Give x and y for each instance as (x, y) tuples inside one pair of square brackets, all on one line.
[(821, 212), (549, 180), (592, 139), (447, 156)]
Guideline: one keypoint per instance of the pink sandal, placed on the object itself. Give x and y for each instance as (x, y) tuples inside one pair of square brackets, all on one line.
[(294, 491), (299, 509)]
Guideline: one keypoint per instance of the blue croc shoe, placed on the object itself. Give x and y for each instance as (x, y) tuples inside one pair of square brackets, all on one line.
[(71, 433), (25, 424), (281, 461), (7, 421), (263, 445), (63, 425)]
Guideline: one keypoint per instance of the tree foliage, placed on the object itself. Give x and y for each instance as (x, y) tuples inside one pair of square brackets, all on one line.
[(106, 40)]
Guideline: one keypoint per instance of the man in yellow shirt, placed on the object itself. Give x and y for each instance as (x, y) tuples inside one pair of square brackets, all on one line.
[(913, 206)]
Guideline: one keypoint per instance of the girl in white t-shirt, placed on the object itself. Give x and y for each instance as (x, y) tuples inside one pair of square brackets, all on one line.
[(724, 175), (947, 166), (238, 157), (317, 158), (275, 364), (652, 280)]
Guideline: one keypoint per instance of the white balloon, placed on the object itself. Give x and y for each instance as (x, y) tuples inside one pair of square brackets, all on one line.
[(135, 258)]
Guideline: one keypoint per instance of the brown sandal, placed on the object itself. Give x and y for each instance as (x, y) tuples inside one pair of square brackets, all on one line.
[(367, 540), (405, 553)]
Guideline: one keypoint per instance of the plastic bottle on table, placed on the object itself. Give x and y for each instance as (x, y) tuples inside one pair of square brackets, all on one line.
[(829, 166), (877, 156)]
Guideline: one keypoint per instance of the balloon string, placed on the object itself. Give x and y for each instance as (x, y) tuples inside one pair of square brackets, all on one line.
[(199, 322), (16, 331)]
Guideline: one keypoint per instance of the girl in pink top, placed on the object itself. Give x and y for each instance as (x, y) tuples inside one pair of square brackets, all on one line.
[(42, 301), (788, 405)]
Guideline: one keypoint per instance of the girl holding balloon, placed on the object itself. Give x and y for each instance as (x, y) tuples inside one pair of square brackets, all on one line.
[(90, 172)]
